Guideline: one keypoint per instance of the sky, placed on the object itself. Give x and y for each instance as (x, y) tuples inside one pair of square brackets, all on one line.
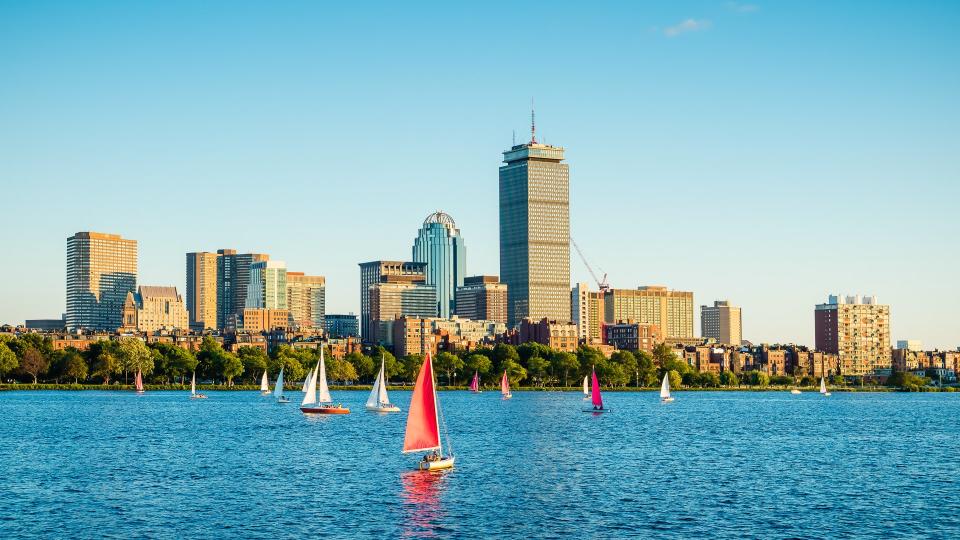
[(770, 153)]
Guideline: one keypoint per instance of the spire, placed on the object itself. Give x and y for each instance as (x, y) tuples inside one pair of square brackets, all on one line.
[(533, 124)]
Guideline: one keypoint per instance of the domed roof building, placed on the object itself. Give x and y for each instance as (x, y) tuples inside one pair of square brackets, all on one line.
[(440, 245)]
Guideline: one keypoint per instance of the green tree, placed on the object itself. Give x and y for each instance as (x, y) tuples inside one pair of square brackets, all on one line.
[(590, 358), (662, 353), (628, 364), (532, 349), (106, 366), (762, 379), (33, 363), (339, 369), (709, 379), (675, 379), (503, 353), (291, 361), (537, 369), (75, 367), (231, 366), (449, 364), (616, 375), (135, 356), (8, 360), (208, 358), (729, 378), (479, 363), (364, 365), (515, 372), (411, 366), (254, 360), (565, 363)]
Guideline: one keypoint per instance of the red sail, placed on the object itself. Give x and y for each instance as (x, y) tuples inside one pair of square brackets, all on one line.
[(504, 385), (596, 399), (475, 383), (423, 430)]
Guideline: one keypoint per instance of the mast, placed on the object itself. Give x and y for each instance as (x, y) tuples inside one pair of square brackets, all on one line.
[(436, 407)]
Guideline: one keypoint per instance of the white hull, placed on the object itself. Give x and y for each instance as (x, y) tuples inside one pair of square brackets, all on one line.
[(826, 394), (795, 392), (283, 400), (389, 408), (445, 463), (666, 400), (507, 396)]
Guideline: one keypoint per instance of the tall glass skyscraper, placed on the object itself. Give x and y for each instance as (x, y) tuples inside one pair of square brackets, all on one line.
[(535, 232), (440, 246), (101, 270)]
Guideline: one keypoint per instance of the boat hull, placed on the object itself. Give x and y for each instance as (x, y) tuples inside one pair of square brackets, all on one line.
[(597, 411), (445, 463), (667, 400), (795, 392), (283, 400), (325, 410), (826, 394), (392, 408), (507, 396), (198, 396)]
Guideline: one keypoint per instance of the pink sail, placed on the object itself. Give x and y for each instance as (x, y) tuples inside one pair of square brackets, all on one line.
[(504, 385), (595, 398), (475, 383), (423, 428), (139, 382)]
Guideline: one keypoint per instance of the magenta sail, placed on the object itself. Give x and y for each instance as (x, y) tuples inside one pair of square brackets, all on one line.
[(475, 383), (596, 399)]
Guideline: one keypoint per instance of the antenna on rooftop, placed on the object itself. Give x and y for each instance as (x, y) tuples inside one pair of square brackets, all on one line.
[(533, 123)]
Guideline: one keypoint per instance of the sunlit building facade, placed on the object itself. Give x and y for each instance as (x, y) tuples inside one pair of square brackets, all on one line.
[(267, 288), (101, 270), (202, 290), (440, 246)]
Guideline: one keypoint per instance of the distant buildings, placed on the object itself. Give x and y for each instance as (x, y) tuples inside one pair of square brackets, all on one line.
[(535, 232), (910, 344), (267, 288), (671, 311), (558, 335), (395, 297), (46, 325), (482, 298), (233, 276), (202, 290), (152, 309), (306, 300), (632, 336), (257, 320), (440, 246), (420, 335), (371, 274), (857, 329), (341, 326), (587, 312), (722, 322), (101, 270)]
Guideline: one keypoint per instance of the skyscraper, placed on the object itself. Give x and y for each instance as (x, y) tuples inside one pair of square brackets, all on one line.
[(233, 275), (101, 270), (672, 311), (371, 273), (267, 288), (202, 290), (722, 322), (482, 298), (857, 329), (535, 232), (306, 300), (440, 246)]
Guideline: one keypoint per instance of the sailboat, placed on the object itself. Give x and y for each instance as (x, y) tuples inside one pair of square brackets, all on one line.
[(306, 381), (423, 423), (823, 387), (320, 396), (595, 398), (138, 382), (278, 389), (665, 396), (264, 385), (378, 400), (586, 389), (505, 386), (475, 383), (193, 388), (795, 391)]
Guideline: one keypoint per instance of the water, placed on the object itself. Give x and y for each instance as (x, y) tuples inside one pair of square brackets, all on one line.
[(723, 464)]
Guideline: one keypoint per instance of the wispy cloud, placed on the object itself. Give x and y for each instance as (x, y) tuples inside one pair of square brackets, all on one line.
[(689, 25), (740, 7)]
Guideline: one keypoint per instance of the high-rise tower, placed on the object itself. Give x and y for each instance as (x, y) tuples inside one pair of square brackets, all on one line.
[(535, 231), (101, 270), (440, 245)]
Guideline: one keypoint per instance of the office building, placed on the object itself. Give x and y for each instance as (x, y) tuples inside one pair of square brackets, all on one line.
[(671, 311), (721, 322), (420, 335), (101, 270), (233, 276), (558, 335), (341, 326), (586, 311), (910, 344), (306, 300), (267, 288), (439, 245), (202, 290), (632, 336), (395, 297), (153, 308), (535, 232), (371, 274), (258, 320), (857, 329), (482, 298)]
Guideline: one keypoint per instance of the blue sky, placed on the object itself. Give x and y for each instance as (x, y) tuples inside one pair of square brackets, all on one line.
[(766, 152)]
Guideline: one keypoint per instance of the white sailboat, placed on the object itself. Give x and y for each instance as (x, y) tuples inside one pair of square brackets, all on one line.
[(823, 387), (193, 388), (665, 396), (586, 388), (278, 389), (264, 384), (306, 381), (323, 401), (378, 400)]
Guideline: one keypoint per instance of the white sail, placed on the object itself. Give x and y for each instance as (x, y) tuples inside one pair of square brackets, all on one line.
[(310, 392), (278, 389), (374, 392), (823, 386), (586, 389), (193, 384), (324, 392), (306, 381), (264, 384), (382, 395), (665, 387)]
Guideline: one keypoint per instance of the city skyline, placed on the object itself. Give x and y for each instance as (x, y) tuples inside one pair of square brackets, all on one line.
[(816, 187)]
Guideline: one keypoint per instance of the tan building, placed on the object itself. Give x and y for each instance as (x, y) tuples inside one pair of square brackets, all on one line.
[(672, 311), (153, 309), (482, 298), (256, 320), (632, 336), (559, 336), (722, 322), (202, 290), (306, 300), (101, 270), (374, 272), (587, 312), (395, 297), (857, 329)]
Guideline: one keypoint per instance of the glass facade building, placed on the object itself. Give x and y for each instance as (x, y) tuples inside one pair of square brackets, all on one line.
[(535, 232), (440, 245), (267, 288), (341, 326), (233, 276)]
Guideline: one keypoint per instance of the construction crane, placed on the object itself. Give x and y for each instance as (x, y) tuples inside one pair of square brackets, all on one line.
[(601, 283)]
